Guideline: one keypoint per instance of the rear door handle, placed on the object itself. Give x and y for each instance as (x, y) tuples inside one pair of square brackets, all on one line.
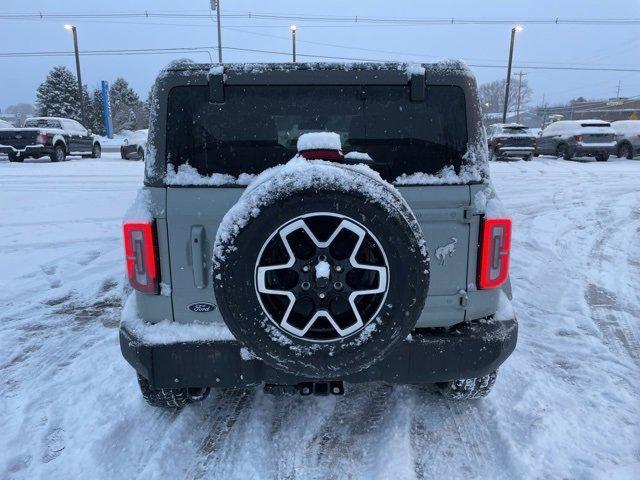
[(197, 257)]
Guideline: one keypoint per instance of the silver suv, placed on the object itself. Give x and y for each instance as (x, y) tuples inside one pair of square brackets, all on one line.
[(303, 226), (577, 138)]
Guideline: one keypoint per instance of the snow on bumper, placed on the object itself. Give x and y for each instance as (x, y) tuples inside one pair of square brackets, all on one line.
[(426, 356)]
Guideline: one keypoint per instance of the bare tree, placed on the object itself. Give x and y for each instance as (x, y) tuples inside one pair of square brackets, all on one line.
[(22, 111), (492, 95)]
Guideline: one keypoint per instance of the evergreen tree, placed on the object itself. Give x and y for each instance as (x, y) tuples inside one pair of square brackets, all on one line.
[(125, 106), (95, 120), (57, 96)]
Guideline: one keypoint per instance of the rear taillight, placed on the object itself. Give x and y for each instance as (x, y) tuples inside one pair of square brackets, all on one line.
[(140, 251), (495, 248), (577, 138)]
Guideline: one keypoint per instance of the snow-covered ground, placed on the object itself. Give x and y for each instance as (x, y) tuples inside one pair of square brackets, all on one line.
[(566, 404)]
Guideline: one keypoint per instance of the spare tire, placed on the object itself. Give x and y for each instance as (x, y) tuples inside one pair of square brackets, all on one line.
[(320, 269)]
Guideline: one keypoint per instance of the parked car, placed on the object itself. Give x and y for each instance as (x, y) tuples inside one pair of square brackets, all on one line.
[(509, 140), (318, 272), (577, 138), (5, 124), (52, 136), (134, 144), (627, 138)]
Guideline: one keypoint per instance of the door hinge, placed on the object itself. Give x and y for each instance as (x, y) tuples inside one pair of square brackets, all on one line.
[(465, 214), (463, 298)]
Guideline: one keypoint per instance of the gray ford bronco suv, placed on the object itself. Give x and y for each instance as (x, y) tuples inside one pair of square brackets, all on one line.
[(307, 226)]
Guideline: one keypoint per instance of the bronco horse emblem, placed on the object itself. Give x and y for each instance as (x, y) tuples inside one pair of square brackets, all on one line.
[(446, 250)]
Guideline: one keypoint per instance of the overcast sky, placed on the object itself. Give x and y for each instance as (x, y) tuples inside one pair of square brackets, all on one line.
[(599, 46)]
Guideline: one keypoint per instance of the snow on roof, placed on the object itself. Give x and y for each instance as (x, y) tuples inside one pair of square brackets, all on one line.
[(578, 122), (319, 141), (46, 118), (443, 66), (626, 127)]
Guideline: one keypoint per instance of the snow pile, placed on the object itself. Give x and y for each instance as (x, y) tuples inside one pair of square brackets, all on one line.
[(300, 174), (140, 209), (187, 175), (446, 176), (167, 331), (414, 69), (361, 156), (486, 202), (505, 309), (319, 141), (216, 69)]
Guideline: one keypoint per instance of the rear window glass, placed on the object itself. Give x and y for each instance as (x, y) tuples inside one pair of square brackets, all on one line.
[(598, 124), (257, 127), (42, 123)]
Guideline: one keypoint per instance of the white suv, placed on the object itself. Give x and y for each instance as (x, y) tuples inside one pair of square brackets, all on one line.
[(579, 138)]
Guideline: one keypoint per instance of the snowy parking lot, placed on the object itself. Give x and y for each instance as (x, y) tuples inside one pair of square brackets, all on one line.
[(566, 404)]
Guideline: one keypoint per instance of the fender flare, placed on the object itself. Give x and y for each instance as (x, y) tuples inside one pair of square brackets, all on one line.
[(59, 138)]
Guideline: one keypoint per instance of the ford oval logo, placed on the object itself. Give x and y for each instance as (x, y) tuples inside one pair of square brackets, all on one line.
[(202, 307), (18, 137)]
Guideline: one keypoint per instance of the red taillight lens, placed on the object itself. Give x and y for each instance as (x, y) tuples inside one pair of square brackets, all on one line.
[(141, 258), (578, 138), (495, 249)]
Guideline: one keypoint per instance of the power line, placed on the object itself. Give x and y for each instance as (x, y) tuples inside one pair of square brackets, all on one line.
[(410, 54), (143, 51), (355, 19), (149, 51)]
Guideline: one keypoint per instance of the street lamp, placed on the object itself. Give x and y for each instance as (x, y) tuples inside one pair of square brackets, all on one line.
[(514, 30), (75, 47), (293, 41)]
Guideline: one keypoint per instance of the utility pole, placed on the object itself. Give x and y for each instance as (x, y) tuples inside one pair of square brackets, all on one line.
[(75, 47), (293, 42), (515, 29), (215, 5), (618, 94), (519, 99)]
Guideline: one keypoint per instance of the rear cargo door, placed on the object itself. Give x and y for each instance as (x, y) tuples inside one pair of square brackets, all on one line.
[(193, 216), (445, 217)]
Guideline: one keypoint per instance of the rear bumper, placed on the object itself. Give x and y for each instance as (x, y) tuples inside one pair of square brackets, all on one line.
[(586, 149), (27, 151), (465, 351), (515, 151)]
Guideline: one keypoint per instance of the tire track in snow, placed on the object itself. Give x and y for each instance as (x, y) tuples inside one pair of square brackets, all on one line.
[(615, 310), (229, 406), (452, 440), (342, 442)]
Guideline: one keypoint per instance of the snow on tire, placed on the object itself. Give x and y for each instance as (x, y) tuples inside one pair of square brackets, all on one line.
[(320, 269)]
